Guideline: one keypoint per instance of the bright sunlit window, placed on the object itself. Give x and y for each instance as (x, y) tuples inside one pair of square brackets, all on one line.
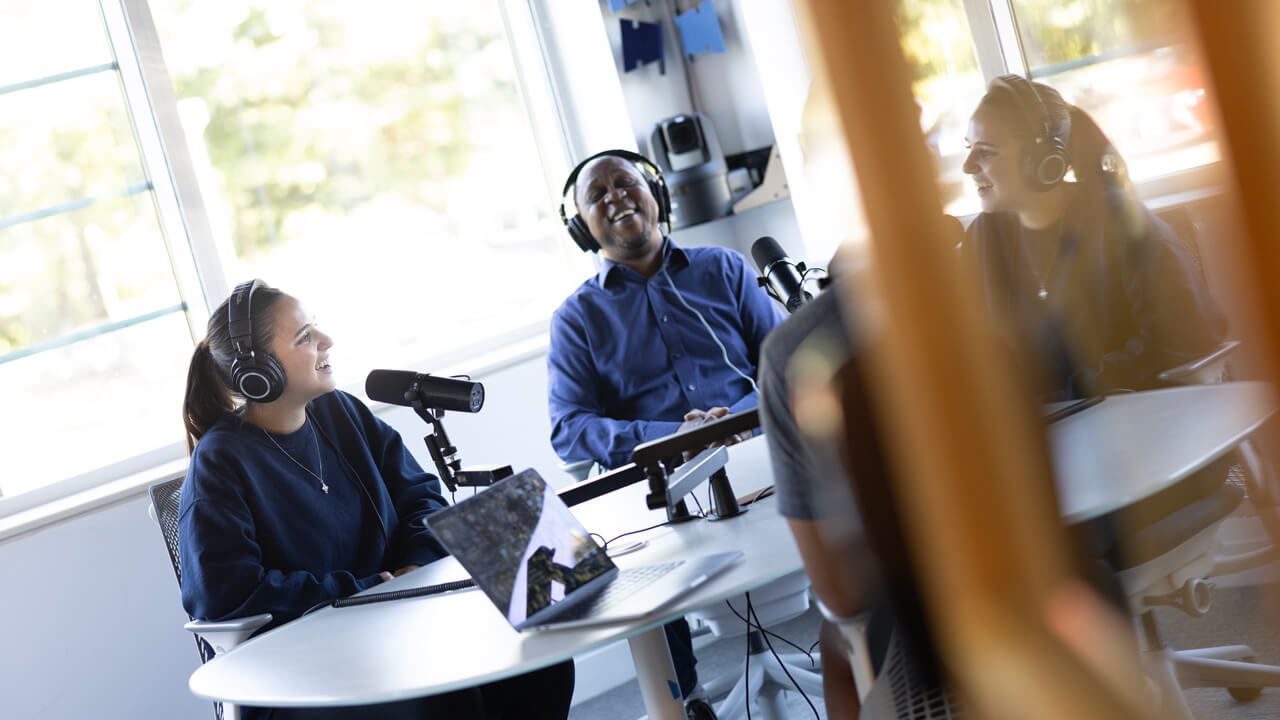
[(93, 330), (1122, 62), (375, 160)]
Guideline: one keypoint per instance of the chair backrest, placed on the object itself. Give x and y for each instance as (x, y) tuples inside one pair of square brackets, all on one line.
[(166, 499)]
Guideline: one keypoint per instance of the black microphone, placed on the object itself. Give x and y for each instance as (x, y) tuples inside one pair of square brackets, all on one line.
[(402, 387), (783, 277)]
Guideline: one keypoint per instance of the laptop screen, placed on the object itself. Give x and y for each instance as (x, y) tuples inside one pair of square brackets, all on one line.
[(521, 544)]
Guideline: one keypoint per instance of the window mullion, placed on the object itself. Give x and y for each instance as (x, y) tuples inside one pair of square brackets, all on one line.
[(1015, 58), (986, 39), (200, 266)]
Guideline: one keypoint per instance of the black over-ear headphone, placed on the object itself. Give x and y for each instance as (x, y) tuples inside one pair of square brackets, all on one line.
[(1044, 164), (257, 376), (577, 227)]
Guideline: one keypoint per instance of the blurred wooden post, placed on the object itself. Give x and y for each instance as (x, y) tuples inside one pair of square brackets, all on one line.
[(969, 458), (1242, 61)]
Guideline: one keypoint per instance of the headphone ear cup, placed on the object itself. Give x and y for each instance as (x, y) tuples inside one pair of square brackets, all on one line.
[(662, 196), (1044, 165), (260, 380), (581, 234)]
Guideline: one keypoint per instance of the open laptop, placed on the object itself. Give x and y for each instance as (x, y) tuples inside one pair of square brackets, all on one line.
[(528, 553)]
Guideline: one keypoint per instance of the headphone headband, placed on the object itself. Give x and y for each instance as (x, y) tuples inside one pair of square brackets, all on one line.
[(239, 317), (577, 227)]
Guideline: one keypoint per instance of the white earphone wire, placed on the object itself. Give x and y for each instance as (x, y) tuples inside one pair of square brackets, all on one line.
[(723, 351)]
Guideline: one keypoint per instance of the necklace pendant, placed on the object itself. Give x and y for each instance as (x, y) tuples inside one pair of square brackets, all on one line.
[(324, 487), (1043, 293)]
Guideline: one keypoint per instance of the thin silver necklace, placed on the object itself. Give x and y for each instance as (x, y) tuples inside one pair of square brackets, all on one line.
[(319, 460), (1043, 279)]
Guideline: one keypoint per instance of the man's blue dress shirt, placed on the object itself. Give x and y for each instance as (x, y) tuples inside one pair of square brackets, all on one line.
[(628, 359)]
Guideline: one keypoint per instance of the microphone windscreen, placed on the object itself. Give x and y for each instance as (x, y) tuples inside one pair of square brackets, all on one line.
[(439, 393), (389, 386), (765, 252)]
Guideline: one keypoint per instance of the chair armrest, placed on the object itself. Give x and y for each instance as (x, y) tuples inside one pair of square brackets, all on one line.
[(854, 630), (223, 635), (1201, 370), (577, 469)]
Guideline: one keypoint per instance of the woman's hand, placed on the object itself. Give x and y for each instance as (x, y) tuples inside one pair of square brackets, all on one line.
[(405, 569)]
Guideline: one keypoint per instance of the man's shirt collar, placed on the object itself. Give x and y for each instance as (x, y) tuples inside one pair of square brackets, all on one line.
[(673, 256)]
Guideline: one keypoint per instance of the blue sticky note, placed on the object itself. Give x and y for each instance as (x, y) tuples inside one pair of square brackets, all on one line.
[(616, 5), (641, 43), (700, 30)]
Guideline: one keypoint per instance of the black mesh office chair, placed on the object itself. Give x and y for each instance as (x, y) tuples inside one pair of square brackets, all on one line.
[(210, 637)]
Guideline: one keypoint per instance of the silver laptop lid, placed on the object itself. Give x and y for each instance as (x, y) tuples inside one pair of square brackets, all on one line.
[(521, 544)]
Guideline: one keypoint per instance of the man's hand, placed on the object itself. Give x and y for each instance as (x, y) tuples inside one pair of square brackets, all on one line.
[(694, 418), (405, 569), (386, 576), (716, 413)]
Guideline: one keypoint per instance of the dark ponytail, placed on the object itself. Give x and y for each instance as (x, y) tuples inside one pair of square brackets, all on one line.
[(209, 393), (1096, 161)]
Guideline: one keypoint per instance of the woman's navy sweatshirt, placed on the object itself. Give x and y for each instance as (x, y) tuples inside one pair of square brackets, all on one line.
[(258, 534)]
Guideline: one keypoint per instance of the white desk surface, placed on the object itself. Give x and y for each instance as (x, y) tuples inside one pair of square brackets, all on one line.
[(1131, 446), (410, 648)]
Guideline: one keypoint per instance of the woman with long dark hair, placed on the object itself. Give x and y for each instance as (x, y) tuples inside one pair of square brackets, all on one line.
[(1100, 290), (296, 494)]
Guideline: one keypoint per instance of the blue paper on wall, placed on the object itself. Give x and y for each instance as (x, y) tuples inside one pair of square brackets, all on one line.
[(641, 43), (616, 5), (700, 30)]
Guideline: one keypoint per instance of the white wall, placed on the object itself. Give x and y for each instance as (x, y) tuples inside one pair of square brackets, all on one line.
[(91, 622)]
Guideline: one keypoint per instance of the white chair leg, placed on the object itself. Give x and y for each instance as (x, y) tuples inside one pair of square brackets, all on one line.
[(807, 680), (1160, 666), (735, 706), (802, 661), (1196, 672), (1225, 652), (719, 686), (230, 712)]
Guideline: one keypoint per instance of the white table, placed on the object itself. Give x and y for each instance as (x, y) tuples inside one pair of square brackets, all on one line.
[(411, 648), (1131, 446)]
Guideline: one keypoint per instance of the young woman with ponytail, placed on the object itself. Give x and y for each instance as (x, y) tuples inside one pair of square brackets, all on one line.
[(302, 495), (1101, 293)]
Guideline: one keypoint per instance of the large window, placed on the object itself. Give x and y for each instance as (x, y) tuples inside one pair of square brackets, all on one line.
[(94, 333), (947, 84), (1122, 61), (375, 160)]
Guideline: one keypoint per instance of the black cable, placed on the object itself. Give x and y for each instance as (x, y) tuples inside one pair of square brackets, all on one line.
[(746, 674), (811, 647), (633, 532), (701, 512), (761, 628), (752, 612)]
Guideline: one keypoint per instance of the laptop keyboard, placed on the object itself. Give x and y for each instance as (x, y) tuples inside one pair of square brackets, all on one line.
[(624, 585)]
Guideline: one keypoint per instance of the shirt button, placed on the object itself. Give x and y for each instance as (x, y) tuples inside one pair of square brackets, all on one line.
[(664, 318), (691, 386)]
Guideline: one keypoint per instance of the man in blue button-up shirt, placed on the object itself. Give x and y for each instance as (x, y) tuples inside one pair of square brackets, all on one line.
[(662, 337)]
